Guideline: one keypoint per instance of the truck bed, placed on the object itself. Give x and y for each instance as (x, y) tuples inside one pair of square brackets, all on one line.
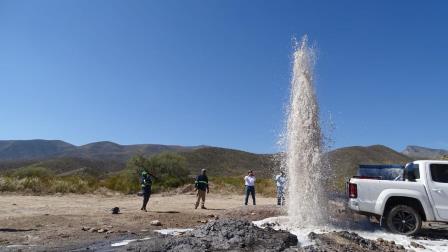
[(372, 191)]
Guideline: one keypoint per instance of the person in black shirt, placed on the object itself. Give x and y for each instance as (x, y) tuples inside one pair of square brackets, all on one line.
[(146, 183), (201, 185)]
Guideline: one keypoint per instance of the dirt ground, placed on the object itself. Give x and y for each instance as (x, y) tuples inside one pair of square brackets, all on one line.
[(57, 221)]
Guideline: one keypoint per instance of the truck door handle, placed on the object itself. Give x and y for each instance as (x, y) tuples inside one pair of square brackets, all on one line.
[(437, 190)]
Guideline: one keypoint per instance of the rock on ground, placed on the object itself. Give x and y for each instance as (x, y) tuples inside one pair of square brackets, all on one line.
[(221, 235), (156, 223)]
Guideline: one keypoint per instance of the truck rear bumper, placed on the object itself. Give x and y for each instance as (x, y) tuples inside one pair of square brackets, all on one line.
[(353, 205)]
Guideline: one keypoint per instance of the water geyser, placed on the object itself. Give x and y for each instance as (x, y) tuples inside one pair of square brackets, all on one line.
[(303, 161)]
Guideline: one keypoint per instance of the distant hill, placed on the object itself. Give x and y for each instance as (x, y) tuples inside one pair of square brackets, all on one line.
[(218, 161), (345, 161), (228, 162), (67, 165), (13, 150), (106, 157), (32, 149), (418, 152)]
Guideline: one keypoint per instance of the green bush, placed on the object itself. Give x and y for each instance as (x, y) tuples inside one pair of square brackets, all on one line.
[(9, 184), (33, 171), (72, 184), (126, 181), (42, 185), (235, 185), (169, 170)]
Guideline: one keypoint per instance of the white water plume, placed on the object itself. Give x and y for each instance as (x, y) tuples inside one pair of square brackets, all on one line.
[(303, 159)]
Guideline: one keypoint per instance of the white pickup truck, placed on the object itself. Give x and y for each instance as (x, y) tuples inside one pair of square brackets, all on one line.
[(421, 194)]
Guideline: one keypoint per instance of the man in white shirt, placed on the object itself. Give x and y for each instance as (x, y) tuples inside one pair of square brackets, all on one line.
[(280, 180), (249, 182)]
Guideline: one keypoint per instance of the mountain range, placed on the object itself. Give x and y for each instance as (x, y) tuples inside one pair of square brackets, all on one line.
[(20, 150), (105, 157), (418, 152)]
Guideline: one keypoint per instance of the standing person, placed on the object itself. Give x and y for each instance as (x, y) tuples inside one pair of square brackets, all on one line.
[(280, 179), (249, 182), (146, 183), (201, 185)]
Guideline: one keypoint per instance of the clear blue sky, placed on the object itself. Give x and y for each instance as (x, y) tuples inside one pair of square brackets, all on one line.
[(217, 72)]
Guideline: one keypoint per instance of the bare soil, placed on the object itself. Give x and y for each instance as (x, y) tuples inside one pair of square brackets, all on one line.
[(57, 221)]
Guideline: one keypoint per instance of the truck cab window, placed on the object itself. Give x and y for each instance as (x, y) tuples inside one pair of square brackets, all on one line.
[(439, 172)]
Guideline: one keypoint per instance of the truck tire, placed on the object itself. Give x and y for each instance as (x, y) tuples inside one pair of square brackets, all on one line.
[(403, 219)]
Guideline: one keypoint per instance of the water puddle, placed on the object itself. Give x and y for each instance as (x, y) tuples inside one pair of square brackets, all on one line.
[(170, 231), (20, 246), (173, 231), (281, 223), (126, 242)]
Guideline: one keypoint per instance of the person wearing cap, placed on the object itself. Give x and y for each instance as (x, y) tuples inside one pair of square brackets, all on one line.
[(201, 185), (280, 180), (146, 183), (249, 182)]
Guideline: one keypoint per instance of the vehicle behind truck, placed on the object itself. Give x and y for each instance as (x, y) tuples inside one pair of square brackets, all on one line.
[(419, 193)]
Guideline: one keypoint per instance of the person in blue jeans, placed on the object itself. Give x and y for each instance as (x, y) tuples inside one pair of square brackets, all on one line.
[(280, 180), (249, 182)]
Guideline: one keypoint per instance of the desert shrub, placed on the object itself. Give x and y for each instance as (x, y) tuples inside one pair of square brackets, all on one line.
[(339, 184), (72, 184), (9, 184), (169, 170), (44, 184), (34, 184), (126, 181), (263, 186), (32, 171), (266, 187)]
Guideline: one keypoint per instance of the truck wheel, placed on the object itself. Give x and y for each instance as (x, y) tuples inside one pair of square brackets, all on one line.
[(404, 220)]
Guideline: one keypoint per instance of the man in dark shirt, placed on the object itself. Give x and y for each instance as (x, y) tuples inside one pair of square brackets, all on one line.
[(201, 185), (146, 183)]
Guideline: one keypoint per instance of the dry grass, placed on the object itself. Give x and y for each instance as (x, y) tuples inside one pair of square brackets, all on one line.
[(47, 185), (37, 180), (235, 185)]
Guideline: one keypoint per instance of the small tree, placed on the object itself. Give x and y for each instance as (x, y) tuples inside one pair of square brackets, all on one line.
[(138, 164), (169, 170), (168, 164)]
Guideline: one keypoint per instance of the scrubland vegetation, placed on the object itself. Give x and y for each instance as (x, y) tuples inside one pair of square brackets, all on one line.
[(235, 185), (42, 180), (169, 172)]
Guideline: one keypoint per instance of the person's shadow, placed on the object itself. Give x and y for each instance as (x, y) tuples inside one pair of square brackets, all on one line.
[(13, 230), (170, 212)]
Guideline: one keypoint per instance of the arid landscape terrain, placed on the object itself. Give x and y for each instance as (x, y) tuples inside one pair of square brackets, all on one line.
[(74, 222), (57, 221)]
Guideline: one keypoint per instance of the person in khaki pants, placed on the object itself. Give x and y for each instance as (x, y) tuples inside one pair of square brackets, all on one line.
[(201, 185)]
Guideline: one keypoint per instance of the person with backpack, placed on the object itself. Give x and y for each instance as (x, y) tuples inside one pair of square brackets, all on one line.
[(201, 186)]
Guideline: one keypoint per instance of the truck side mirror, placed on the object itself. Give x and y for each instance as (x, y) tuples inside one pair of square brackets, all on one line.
[(409, 172), (411, 176)]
